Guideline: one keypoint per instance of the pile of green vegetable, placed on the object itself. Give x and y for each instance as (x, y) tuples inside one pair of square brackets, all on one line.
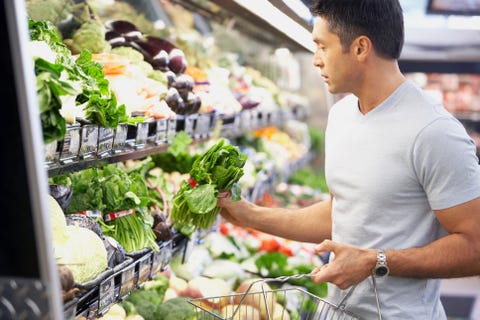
[(149, 302), (115, 188), (61, 75), (217, 170)]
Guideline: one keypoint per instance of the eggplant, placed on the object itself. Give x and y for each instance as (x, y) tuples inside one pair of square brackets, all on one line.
[(175, 101), (160, 44), (161, 60), (193, 103), (121, 26), (177, 63), (171, 77)]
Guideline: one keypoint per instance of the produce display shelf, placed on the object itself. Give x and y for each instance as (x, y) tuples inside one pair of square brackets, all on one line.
[(88, 145), (116, 284)]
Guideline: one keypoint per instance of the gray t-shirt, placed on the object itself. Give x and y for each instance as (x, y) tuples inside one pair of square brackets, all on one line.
[(388, 169)]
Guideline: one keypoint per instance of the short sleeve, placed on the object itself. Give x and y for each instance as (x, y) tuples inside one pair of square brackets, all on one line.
[(445, 161)]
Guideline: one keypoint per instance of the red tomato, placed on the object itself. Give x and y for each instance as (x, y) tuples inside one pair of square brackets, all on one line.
[(269, 244), (286, 250), (224, 229)]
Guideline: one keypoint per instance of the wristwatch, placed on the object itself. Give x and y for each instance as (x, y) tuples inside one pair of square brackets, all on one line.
[(381, 268)]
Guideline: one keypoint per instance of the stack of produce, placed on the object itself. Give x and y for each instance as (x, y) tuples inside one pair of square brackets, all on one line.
[(69, 87), (79, 252), (123, 198)]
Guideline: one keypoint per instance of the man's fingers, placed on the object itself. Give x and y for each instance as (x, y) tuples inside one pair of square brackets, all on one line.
[(325, 246), (320, 275), (224, 194)]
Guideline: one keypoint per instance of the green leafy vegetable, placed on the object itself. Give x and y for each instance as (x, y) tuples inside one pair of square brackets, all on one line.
[(217, 170), (81, 78), (113, 188), (176, 158)]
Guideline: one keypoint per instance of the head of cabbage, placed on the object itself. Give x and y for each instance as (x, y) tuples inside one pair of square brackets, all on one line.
[(83, 252), (58, 221), (80, 249)]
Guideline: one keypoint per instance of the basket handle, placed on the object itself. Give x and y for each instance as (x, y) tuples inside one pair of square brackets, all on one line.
[(342, 303)]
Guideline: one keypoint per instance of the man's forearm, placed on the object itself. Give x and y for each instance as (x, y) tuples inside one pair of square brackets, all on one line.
[(310, 224), (452, 256)]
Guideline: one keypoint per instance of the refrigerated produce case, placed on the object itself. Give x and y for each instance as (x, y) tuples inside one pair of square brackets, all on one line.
[(28, 263)]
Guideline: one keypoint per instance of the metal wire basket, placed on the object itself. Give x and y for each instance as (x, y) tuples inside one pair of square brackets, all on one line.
[(261, 304)]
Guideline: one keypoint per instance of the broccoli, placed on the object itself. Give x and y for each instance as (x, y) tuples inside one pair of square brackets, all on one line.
[(147, 299), (175, 309)]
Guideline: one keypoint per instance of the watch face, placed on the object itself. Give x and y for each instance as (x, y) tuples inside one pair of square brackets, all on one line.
[(381, 271)]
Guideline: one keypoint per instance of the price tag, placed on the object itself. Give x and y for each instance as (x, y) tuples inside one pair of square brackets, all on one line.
[(141, 135), (167, 255), (254, 124), (105, 141), (70, 144), (245, 120), (157, 262), (161, 132), (202, 126), (120, 138), (144, 268), (106, 294), (50, 151), (190, 121), (89, 140), (128, 281), (171, 130)]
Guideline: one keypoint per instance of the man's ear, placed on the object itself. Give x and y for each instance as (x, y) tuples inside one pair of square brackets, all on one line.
[(361, 47)]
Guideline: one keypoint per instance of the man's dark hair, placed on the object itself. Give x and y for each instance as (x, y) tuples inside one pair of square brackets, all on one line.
[(380, 20)]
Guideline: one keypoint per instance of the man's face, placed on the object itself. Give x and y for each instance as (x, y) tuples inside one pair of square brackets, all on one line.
[(336, 64)]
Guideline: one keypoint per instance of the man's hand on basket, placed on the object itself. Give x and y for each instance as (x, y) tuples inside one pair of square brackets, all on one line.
[(349, 266)]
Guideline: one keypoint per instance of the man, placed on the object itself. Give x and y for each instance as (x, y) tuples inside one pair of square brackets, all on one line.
[(402, 172)]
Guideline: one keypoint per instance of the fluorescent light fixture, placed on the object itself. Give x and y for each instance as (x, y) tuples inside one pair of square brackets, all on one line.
[(299, 8), (279, 20)]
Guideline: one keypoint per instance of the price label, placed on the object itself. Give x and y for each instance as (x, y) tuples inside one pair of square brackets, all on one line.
[(70, 144), (202, 127), (144, 268), (106, 294), (128, 281), (254, 119), (89, 141), (157, 262), (167, 254), (120, 138), (171, 130), (50, 151), (142, 135), (245, 120), (161, 131), (105, 141), (190, 124)]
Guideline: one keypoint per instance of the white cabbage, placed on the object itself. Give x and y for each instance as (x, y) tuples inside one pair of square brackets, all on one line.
[(83, 252), (58, 222)]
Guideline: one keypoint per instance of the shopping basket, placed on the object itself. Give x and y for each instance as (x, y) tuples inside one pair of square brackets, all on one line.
[(239, 306)]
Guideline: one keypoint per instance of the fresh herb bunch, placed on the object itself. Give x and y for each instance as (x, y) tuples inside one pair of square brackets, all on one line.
[(218, 170)]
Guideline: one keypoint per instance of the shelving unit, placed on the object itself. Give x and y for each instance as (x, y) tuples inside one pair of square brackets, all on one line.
[(28, 262)]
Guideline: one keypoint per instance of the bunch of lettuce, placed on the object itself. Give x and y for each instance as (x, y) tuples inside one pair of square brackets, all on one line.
[(63, 75), (217, 170)]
